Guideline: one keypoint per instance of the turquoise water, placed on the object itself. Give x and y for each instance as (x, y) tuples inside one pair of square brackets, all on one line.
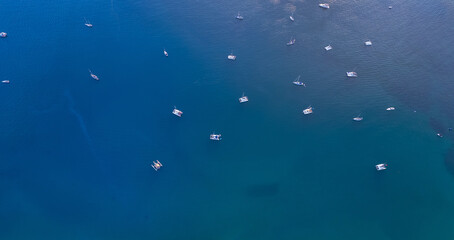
[(76, 153)]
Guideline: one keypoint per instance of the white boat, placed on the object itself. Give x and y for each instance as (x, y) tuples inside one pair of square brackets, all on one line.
[(231, 57), (298, 82), (391, 109), (358, 118), (177, 112), (390, 7), (3, 34), (352, 74), (239, 17), (368, 43), (166, 53), (243, 99), (215, 137), (324, 5), (5, 81), (308, 110), (87, 23), (381, 166), (156, 165), (327, 48), (291, 18), (291, 42), (439, 135), (93, 75)]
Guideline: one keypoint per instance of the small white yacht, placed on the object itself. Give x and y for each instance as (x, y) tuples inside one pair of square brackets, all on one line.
[(439, 135), (324, 5), (177, 112), (368, 43), (381, 166), (239, 17), (231, 57), (291, 18), (298, 82), (358, 118), (156, 165), (93, 75), (390, 7), (352, 74), (291, 42), (391, 109), (243, 99), (3, 34), (165, 53), (215, 137), (5, 81), (308, 110), (327, 48)]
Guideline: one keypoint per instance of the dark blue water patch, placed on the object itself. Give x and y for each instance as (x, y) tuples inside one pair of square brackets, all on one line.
[(449, 161), (263, 190)]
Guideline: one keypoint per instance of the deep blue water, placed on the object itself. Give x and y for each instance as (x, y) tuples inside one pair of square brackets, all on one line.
[(76, 153)]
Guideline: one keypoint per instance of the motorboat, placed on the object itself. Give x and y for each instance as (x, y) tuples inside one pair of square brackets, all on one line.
[(327, 48), (215, 137), (391, 109), (93, 75), (368, 43), (308, 110), (439, 135), (239, 17), (177, 112), (5, 81), (3, 34), (324, 5), (381, 166), (291, 18), (88, 24), (231, 57), (291, 42), (156, 165), (358, 118), (166, 53), (352, 74), (298, 82), (243, 99), (390, 7)]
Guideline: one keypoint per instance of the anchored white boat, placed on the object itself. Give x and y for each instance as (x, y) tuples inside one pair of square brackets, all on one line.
[(352, 74), (166, 53), (93, 75), (391, 109), (215, 137), (239, 17), (381, 166), (291, 42), (231, 57), (87, 23), (5, 81), (439, 135), (156, 165), (243, 99), (368, 43), (3, 34), (177, 112), (324, 5), (298, 82), (327, 48), (308, 110), (358, 118)]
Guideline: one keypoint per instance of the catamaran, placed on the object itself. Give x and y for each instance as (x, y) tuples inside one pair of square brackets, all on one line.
[(358, 118), (368, 43), (3, 34), (87, 23), (239, 17), (243, 99), (298, 82), (215, 137), (307, 111), (156, 165), (177, 112), (291, 42), (324, 5), (165, 53), (231, 57), (93, 75), (352, 74), (327, 48), (381, 166)]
